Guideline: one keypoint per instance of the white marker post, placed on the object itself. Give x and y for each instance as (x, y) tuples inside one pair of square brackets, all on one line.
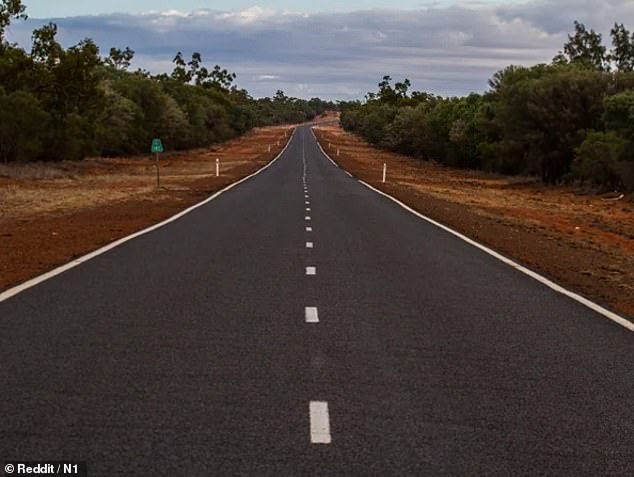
[(269, 148), (338, 152), (217, 167), (384, 172)]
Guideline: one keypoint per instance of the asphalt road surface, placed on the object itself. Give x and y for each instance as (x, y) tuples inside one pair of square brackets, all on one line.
[(286, 330)]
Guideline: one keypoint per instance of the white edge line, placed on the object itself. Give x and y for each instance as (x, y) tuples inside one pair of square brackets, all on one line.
[(325, 154), (11, 292), (319, 423), (534, 275)]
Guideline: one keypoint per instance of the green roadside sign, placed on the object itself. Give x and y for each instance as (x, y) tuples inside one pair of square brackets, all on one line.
[(157, 146)]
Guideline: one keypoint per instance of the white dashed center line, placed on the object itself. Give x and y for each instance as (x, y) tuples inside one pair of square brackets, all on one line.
[(309, 229), (307, 209), (311, 314), (319, 423), (311, 270), (307, 217), (310, 245)]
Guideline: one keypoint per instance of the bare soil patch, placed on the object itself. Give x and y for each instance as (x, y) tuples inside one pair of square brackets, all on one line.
[(585, 241), (52, 213)]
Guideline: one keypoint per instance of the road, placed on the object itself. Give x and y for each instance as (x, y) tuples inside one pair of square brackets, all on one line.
[(257, 337)]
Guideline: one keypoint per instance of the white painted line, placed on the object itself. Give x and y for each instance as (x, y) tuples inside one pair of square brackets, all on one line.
[(319, 423), (11, 292), (310, 245), (307, 202), (327, 156), (349, 175), (307, 217), (307, 209), (534, 275), (309, 229), (311, 314), (311, 270)]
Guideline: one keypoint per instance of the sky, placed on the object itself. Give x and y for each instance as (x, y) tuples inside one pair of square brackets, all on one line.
[(332, 51), (47, 8)]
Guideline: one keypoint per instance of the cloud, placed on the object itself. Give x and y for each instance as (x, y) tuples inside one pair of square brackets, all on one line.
[(446, 50), (267, 77)]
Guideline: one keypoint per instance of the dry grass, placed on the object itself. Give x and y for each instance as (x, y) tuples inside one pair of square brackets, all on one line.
[(38, 171), (58, 188)]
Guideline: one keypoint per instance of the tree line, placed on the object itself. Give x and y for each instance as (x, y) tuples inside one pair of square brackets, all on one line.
[(568, 121), (61, 103)]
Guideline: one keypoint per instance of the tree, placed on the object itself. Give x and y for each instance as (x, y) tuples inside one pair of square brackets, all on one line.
[(23, 126), (221, 78), (622, 53), (584, 48), (598, 159), (46, 50), (10, 9), (173, 123), (196, 70), (180, 73), (117, 125), (120, 59), (401, 88), (618, 113)]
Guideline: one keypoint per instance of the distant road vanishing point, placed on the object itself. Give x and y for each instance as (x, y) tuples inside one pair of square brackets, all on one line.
[(301, 324)]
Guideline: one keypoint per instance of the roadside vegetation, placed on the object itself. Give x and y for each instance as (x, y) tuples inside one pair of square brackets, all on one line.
[(570, 121), (61, 103)]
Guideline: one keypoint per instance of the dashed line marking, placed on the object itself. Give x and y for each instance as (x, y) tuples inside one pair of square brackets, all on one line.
[(319, 423), (307, 217), (310, 245), (311, 270), (309, 229), (307, 209), (311, 314), (308, 202)]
